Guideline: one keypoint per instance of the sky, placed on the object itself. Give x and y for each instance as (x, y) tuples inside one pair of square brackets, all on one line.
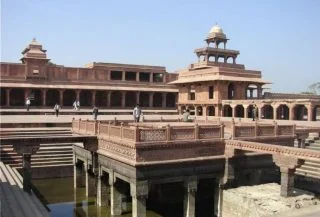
[(279, 38)]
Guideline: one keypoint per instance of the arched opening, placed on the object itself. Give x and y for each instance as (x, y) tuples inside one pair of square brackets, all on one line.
[(229, 60), (199, 111), (101, 98), (227, 111), (131, 100), (191, 109), (211, 110), (35, 96), (316, 113), (3, 97), (69, 96), (300, 113), (231, 92), (252, 91), (85, 98), (283, 112), (171, 100), (144, 99), (17, 97), (52, 97), (115, 99), (183, 109), (239, 111), (267, 112), (212, 58), (250, 111), (157, 100)]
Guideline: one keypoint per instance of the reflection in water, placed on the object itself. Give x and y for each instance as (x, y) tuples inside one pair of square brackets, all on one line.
[(63, 201)]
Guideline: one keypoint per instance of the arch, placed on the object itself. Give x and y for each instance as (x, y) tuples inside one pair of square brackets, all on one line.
[(283, 112), (252, 91), (101, 98), (144, 99), (171, 100), (3, 97), (212, 59), (229, 60), (85, 98), (69, 96), (115, 99), (52, 97), (300, 113), (316, 113), (250, 111), (36, 97), (199, 111), (267, 112), (231, 91), (211, 110), (157, 100), (130, 99), (17, 97), (227, 111), (239, 111)]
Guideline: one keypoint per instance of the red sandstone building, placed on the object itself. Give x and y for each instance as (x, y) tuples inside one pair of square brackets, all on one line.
[(107, 85)]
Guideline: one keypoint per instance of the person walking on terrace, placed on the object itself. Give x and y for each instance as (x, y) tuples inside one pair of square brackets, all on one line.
[(95, 113), (56, 109), (186, 116), (137, 112), (28, 103), (75, 105)]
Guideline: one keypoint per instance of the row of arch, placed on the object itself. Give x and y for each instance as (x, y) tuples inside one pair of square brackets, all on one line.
[(49, 97), (282, 112)]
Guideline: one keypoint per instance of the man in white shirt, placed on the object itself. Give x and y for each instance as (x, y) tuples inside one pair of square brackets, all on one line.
[(28, 102), (136, 113)]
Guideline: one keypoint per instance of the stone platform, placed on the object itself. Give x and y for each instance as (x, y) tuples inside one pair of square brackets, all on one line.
[(265, 200)]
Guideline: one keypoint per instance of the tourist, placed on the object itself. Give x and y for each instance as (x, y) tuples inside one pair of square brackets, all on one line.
[(78, 105), (254, 113), (56, 109), (28, 102), (95, 113), (137, 113), (75, 105), (186, 116)]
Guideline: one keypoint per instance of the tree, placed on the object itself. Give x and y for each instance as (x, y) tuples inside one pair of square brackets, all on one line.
[(314, 88)]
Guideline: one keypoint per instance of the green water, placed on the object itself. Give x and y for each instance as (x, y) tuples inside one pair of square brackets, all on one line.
[(63, 201)]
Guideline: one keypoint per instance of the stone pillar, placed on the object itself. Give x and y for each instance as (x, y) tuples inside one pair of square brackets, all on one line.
[(116, 198), (93, 102), (259, 92), (259, 112), (102, 190), (139, 193), (8, 97), (164, 100), (151, 77), (291, 112), (90, 182), (26, 172), (138, 98), (44, 97), (123, 99), (275, 108), (61, 97), (204, 111), (109, 99), (310, 112), (78, 95), (78, 176), (233, 110), (218, 198), (138, 76), (151, 99), (190, 197), (245, 108)]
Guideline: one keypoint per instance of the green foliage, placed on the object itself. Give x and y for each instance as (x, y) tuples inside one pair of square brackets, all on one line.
[(314, 88)]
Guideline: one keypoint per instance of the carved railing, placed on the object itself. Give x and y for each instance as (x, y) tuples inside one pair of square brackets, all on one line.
[(261, 130), (151, 133)]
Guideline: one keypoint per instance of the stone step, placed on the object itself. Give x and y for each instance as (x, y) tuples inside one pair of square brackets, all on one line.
[(50, 155), (24, 134), (309, 168), (50, 159), (305, 172)]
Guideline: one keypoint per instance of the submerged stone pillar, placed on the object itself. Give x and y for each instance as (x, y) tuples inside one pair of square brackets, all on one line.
[(102, 190), (190, 197), (78, 175), (115, 197), (139, 193), (90, 182)]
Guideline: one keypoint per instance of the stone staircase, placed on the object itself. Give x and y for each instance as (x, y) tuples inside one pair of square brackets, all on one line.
[(14, 201), (48, 155)]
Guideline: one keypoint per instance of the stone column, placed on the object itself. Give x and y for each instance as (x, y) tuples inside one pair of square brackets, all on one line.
[(259, 92), (116, 198), (44, 97), (218, 198), (138, 76), (138, 98), (310, 112), (90, 182), (102, 190), (151, 77), (8, 97), (61, 97), (123, 78), (245, 108), (259, 112), (151, 99), (93, 102), (204, 111), (26, 172), (123, 99), (139, 193), (78, 176), (190, 197), (164, 100), (233, 110), (78, 95), (275, 108), (291, 112), (109, 99)]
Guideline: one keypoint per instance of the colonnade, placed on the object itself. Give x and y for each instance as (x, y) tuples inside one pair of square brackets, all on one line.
[(101, 98)]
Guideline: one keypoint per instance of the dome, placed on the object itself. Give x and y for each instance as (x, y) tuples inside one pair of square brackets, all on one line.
[(216, 29)]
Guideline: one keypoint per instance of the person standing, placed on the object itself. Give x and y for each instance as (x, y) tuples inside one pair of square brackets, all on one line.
[(136, 113), (186, 116), (254, 112), (75, 105), (95, 113), (78, 105), (28, 103), (56, 109)]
